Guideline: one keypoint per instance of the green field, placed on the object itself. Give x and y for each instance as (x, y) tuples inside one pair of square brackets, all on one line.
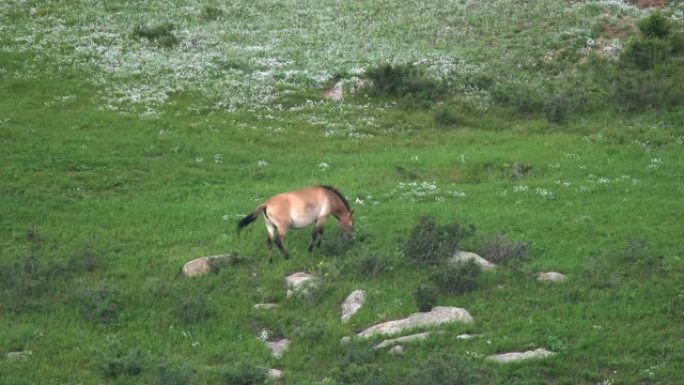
[(134, 136)]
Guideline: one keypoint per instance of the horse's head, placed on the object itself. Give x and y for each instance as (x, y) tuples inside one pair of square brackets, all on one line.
[(347, 222)]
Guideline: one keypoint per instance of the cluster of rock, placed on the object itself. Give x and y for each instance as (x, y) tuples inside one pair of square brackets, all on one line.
[(303, 283)]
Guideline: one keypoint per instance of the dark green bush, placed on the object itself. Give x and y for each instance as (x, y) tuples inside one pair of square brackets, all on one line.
[(174, 374), (430, 243), (405, 81), (655, 26), (370, 266), (102, 304), (160, 34), (193, 308), (426, 297), (243, 374), (446, 117), (116, 362), (447, 370), (457, 278), (643, 90)]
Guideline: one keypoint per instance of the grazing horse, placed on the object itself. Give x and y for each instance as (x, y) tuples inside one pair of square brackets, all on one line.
[(298, 209)]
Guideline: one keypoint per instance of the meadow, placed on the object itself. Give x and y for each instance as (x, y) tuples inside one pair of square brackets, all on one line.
[(134, 136)]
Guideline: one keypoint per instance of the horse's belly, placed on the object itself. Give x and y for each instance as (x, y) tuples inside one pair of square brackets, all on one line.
[(300, 221)]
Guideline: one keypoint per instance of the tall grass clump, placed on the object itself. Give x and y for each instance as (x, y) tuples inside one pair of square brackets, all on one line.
[(457, 278), (243, 374), (430, 243)]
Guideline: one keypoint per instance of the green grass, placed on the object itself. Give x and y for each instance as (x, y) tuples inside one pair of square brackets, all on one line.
[(105, 198)]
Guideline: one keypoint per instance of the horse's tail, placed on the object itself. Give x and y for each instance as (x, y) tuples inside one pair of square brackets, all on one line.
[(250, 218)]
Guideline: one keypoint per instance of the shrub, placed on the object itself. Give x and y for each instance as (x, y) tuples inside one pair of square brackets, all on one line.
[(499, 250), (655, 26), (337, 244), (638, 91), (115, 362), (100, 305), (446, 117), (370, 266), (426, 297), (160, 34), (447, 370), (174, 375), (430, 243), (193, 309), (557, 108), (457, 278), (406, 81), (243, 374), (210, 13)]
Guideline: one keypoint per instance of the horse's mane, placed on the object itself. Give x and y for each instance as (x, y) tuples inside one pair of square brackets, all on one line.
[(339, 195)]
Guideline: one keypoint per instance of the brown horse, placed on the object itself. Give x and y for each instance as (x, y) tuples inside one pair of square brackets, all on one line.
[(298, 209)]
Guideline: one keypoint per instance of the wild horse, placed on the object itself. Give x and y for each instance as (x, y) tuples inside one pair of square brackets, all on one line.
[(298, 209)]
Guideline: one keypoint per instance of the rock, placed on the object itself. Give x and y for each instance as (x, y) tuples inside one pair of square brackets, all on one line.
[(265, 306), (397, 351), (466, 336), (437, 316), (23, 354), (205, 265), (352, 304), (551, 276), (465, 256), (345, 340), (274, 374), (299, 282), (396, 341), (278, 346), (517, 356), (336, 92)]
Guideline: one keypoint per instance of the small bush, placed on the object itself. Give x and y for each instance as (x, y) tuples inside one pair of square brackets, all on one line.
[(370, 266), (337, 244), (457, 278), (405, 81), (175, 375), (116, 362), (243, 374), (210, 13), (655, 26), (430, 243), (499, 250), (446, 118), (426, 297), (101, 305), (193, 309), (447, 370), (160, 34), (557, 108)]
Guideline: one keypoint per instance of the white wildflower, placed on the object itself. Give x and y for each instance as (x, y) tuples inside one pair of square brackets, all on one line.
[(520, 188), (323, 166), (262, 163)]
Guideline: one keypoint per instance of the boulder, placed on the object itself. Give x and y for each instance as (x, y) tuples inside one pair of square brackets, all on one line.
[(551, 276), (465, 256), (212, 264), (520, 356), (265, 306), (274, 374), (335, 93), (299, 283), (352, 304), (437, 316), (398, 350)]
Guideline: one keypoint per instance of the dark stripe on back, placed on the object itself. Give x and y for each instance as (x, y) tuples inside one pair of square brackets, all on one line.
[(339, 195)]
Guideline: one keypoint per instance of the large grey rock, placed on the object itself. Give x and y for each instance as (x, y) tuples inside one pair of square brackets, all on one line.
[(397, 350), (352, 304), (551, 276), (437, 316), (265, 306), (520, 356), (300, 282), (465, 256)]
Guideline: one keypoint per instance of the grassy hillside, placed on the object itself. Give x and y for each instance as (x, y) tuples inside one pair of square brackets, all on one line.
[(134, 135)]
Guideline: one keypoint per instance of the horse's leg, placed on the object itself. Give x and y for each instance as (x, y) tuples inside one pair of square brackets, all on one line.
[(280, 241), (317, 232), (271, 234)]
